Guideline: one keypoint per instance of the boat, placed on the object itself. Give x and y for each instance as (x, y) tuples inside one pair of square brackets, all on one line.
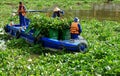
[(74, 45)]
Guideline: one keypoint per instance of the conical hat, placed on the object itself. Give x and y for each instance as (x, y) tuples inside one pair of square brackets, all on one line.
[(56, 9)]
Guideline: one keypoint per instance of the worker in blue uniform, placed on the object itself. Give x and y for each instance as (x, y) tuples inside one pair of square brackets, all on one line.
[(57, 12), (22, 13), (75, 28)]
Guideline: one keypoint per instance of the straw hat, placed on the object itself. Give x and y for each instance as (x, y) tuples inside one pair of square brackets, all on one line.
[(56, 9)]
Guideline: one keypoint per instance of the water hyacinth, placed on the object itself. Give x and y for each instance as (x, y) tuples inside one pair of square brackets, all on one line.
[(1, 31), (44, 24), (2, 45), (30, 60), (102, 59)]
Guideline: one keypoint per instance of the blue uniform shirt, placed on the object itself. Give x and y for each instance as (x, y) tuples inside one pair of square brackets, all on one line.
[(80, 29)]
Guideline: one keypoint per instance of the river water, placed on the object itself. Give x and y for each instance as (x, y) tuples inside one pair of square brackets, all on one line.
[(102, 11)]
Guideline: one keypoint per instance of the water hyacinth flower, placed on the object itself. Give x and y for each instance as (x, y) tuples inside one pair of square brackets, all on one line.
[(28, 67), (2, 45), (58, 69), (108, 68), (30, 60), (1, 31)]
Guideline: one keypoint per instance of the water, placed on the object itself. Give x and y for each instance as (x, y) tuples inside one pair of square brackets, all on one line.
[(98, 14), (102, 11)]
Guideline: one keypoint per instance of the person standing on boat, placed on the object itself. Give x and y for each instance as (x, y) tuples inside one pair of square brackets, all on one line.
[(22, 13), (57, 12), (75, 29)]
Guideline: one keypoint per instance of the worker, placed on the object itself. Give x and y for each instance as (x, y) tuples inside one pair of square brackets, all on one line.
[(57, 12), (22, 13), (75, 29)]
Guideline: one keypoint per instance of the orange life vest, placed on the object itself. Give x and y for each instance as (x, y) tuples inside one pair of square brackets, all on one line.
[(22, 10), (74, 28)]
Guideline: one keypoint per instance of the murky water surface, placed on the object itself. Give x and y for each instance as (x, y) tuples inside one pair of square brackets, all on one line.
[(103, 11)]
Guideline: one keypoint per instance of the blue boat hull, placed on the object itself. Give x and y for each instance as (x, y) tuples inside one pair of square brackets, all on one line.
[(70, 45)]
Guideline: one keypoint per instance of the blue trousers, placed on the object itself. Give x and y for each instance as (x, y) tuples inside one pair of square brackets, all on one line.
[(74, 36), (22, 20)]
